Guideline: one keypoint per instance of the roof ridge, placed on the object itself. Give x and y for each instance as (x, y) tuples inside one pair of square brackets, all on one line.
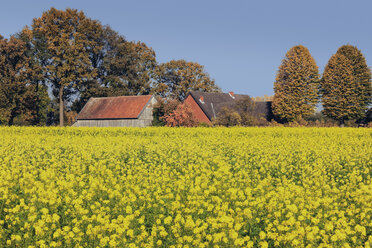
[(100, 97), (118, 107)]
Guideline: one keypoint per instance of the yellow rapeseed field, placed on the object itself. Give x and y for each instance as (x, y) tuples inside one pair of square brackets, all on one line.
[(178, 187)]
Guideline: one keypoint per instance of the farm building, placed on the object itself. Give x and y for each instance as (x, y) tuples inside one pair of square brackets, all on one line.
[(206, 105), (121, 111)]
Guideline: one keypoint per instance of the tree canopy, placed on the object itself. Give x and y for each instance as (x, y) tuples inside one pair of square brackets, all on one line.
[(346, 85), (296, 86), (177, 77), (72, 58), (19, 96), (123, 68), (64, 36)]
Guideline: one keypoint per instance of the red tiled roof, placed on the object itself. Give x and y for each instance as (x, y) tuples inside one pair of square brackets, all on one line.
[(120, 107)]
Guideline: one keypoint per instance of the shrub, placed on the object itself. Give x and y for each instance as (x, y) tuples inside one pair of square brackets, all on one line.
[(182, 116)]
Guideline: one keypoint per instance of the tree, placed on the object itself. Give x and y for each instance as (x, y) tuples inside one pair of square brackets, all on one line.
[(341, 94), (362, 75), (35, 105), (130, 67), (245, 107), (12, 75), (37, 98), (182, 116), (62, 40), (162, 108), (123, 68), (296, 86), (240, 113), (228, 117), (18, 95), (177, 77)]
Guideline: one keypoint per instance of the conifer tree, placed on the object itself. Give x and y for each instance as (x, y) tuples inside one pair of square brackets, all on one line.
[(296, 86), (346, 85)]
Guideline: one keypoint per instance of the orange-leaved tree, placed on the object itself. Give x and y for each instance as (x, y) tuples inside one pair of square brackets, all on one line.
[(177, 77), (346, 85), (296, 86), (20, 97), (182, 116), (62, 38)]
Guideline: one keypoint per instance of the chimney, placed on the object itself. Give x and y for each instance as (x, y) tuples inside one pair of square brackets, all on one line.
[(232, 94), (201, 99)]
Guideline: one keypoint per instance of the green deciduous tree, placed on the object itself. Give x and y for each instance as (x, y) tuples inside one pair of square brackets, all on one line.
[(346, 85), (177, 77), (228, 117), (245, 107), (296, 86)]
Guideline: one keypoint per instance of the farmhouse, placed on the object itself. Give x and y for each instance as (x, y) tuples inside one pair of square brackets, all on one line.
[(206, 105), (121, 111)]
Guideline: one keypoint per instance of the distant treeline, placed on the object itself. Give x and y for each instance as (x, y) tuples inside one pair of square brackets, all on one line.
[(74, 58), (49, 71)]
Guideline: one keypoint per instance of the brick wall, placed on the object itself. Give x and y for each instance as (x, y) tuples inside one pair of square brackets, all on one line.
[(200, 116)]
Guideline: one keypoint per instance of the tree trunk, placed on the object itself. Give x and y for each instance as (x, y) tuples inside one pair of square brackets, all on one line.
[(342, 123), (12, 116), (61, 107), (11, 120)]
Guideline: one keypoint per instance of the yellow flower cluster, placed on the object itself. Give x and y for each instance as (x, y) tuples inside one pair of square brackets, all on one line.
[(179, 187)]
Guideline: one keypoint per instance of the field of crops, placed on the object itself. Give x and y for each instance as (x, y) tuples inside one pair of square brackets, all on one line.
[(175, 187)]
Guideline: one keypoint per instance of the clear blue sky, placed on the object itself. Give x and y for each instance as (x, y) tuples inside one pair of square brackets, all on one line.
[(240, 43)]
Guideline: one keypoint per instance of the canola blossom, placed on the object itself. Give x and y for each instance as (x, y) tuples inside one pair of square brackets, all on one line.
[(180, 187)]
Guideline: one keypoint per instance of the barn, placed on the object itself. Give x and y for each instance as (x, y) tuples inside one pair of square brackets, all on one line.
[(121, 111), (207, 105)]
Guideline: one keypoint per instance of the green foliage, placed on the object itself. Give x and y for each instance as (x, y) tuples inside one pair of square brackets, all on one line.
[(162, 108), (296, 86), (245, 107), (203, 124), (36, 101), (346, 85), (158, 113), (227, 117), (175, 79), (242, 113)]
